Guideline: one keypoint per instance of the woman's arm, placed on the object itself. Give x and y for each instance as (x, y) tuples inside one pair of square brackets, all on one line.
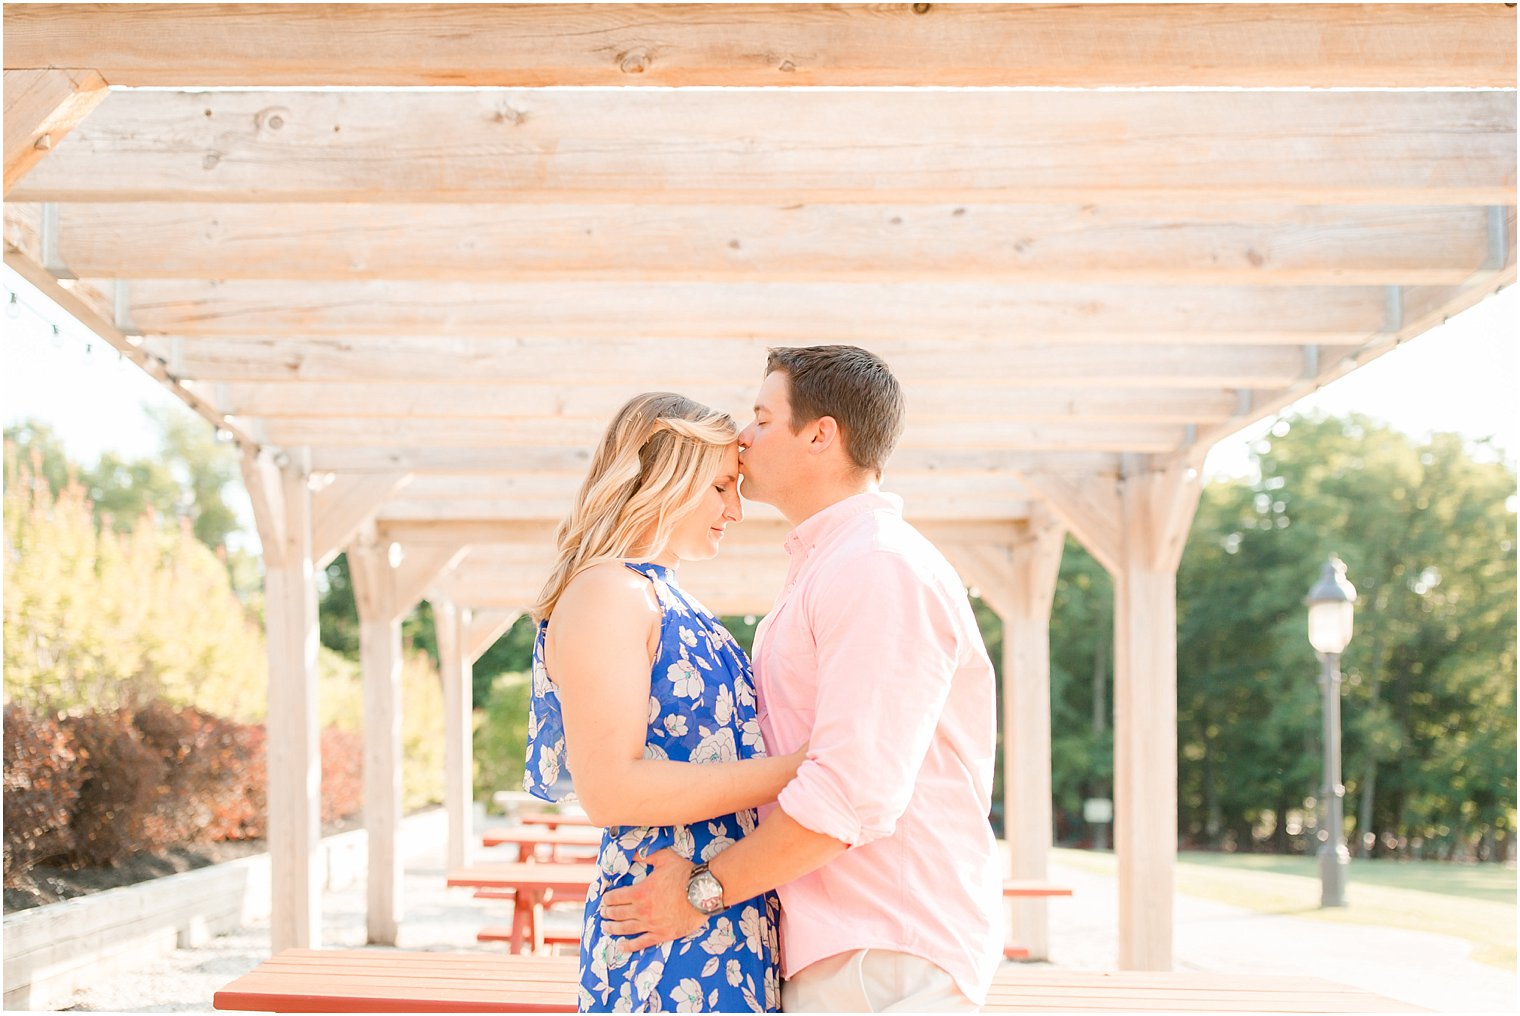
[(599, 655)]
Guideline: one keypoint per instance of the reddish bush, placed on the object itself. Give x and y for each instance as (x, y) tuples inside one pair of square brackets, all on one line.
[(121, 786), (342, 774), (238, 813), (41, 788), (205, 787), (95, 788)]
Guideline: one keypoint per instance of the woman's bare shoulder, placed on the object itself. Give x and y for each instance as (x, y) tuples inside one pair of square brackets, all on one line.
[(609, 587)]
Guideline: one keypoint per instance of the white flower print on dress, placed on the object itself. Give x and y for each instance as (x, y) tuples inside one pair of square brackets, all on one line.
[(687, 995), (721, 939), (734, 972), (752, 738), (688, 636), (749, 926), (723, 706), (675, 725), (548, 763), (687, 680), (655, 751), (717, 746), (645, 980)]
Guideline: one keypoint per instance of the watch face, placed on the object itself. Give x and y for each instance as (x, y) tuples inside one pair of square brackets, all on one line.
[(705, 892)]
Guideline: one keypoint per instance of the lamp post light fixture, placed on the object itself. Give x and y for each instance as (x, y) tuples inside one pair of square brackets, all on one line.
[(1331, 611)]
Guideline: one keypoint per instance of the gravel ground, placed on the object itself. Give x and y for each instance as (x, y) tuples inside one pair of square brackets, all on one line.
[(1427, 970)]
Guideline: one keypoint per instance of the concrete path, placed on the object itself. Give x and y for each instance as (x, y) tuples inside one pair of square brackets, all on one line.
[(1433, 971), (1428, 970)]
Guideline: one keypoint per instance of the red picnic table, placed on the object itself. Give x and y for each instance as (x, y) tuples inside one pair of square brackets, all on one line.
[(528, 840), (555, 819), (532, 886), (387, 980)]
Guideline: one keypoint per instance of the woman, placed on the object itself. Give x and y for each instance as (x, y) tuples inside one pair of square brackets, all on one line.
[(642, 695)]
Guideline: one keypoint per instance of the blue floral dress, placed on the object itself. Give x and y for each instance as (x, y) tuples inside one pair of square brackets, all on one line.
[(702, 710)]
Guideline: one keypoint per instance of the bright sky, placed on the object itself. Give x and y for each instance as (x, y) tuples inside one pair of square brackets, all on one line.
[(1463, 376)]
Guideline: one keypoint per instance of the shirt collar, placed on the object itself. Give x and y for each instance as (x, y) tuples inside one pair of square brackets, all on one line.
[(818, 528)]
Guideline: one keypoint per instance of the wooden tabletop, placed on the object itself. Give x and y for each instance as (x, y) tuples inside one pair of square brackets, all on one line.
[(386, 980), (525, 876), (1033, 887), (554, 819), (541, 835)]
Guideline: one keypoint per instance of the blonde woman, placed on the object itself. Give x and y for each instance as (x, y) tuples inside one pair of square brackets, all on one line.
[(643, 695)]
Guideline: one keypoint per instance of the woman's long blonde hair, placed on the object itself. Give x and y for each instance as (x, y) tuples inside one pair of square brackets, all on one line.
[(658, 457)]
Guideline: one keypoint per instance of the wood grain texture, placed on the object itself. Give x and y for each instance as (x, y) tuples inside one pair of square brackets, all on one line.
[(41, 107), (1115, 242), (786, 147), (1263, 44)]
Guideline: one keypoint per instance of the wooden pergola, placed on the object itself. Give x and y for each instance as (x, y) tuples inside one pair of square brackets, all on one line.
[(410, 258)]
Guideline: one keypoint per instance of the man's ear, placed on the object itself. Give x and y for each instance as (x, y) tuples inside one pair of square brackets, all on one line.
[(825, 435)]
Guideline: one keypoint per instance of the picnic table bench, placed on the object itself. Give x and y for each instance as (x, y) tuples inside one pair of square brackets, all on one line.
[(385, 980), (532, 886)]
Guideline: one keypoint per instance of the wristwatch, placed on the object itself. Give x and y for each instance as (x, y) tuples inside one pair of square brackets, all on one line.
[(704, 891)]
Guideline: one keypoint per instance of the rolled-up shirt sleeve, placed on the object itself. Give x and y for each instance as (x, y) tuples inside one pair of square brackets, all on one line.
[(887, 648)]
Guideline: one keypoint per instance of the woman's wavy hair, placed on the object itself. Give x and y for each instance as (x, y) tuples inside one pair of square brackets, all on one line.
[(658, 457)]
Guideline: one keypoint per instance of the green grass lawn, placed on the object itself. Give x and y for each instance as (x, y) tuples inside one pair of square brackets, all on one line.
[(1472, 902)]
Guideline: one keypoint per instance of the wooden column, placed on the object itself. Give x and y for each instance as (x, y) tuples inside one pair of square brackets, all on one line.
[(41, 107), (463, 635), (380, 664), (277, 486), (387, 586), (1136, 524), (1018, 581)]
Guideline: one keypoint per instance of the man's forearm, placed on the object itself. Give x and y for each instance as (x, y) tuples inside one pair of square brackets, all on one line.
[(778, 851)]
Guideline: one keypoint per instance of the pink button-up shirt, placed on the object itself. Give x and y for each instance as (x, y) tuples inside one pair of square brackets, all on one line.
[(872, 653)]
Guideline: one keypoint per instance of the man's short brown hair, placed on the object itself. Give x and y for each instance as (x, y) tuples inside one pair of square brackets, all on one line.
[(854, 386)]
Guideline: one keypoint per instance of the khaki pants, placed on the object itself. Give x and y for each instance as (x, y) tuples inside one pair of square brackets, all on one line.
[(873, 980)]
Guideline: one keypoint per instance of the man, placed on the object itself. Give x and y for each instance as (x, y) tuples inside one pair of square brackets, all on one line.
[(880, 847)]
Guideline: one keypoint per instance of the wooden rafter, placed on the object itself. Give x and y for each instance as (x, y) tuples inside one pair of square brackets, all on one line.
[(1221, 244), (1416, 45), (41, 107), (937, 148)]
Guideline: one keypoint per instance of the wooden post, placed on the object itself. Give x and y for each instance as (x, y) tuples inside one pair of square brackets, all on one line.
[(458, 784), (282, 502), (385, 591), (380, 663), (1136, 525), (463, 635), (1018, 581)]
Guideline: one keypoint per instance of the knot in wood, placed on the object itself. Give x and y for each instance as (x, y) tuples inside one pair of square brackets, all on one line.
[(635, 61), (271, 119), (921, 8), (787, 67)]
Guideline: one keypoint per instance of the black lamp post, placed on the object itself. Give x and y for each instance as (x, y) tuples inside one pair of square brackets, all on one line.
[(1330, 623)]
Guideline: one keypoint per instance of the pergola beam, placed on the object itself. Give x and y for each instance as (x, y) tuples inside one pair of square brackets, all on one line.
[(345, 505), (41, 107), (650, 364), (1074, 435), (778, 147), (971, 400), (527, 45), (1116, 243), (776, 312)]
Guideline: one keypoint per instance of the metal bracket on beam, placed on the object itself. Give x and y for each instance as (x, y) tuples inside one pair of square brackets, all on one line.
[(1245, 399), (51, 262), (1311, 362), (121, 310), (1498, 238), (1393, 309), (176, 360)]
